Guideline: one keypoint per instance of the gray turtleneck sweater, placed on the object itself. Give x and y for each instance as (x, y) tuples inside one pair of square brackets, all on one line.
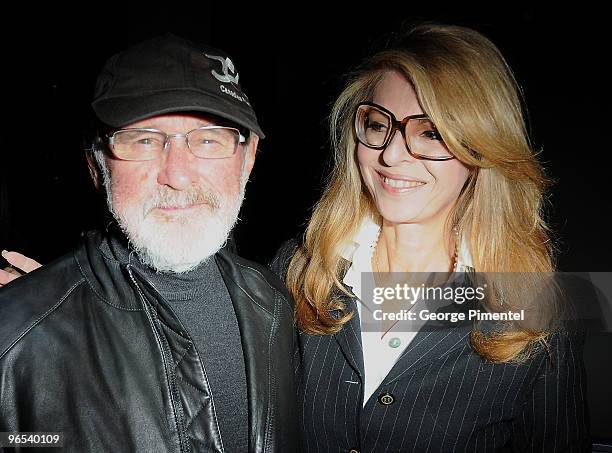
[(202, 303)]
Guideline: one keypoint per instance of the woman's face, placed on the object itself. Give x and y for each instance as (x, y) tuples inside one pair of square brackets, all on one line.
[(405, 189)]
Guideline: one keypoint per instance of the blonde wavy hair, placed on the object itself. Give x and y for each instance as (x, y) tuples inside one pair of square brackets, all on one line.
[(466, 87)]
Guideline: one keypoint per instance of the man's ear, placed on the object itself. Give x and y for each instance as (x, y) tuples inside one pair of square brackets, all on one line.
[(251, 152), (94, 170)]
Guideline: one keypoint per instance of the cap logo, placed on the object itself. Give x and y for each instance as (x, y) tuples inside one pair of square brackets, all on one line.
[(227, 66)]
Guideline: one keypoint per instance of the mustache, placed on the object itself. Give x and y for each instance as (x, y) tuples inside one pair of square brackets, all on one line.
[(166, 197)]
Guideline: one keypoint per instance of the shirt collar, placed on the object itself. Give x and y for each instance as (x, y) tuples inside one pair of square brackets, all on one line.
[(359, 251)]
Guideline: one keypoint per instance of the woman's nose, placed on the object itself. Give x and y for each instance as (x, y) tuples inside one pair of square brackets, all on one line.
[(396, 151)]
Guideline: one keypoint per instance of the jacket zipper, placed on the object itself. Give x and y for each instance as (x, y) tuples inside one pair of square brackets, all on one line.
[(174, 397)]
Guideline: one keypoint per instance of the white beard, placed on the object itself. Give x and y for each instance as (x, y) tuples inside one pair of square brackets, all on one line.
[(179, 243)]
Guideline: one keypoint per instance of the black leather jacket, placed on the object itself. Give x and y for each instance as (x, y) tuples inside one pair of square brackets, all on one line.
[(96, 353)]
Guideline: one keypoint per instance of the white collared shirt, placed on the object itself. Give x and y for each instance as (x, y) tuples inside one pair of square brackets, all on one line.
[(380, 350)]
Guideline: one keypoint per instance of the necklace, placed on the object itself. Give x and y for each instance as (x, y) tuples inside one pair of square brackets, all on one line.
[(376, 269), (455, 254)]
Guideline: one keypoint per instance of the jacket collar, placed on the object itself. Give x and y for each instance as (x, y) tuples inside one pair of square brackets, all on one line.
[(427, 346), (108, 278), (349, 338), (256, 326)]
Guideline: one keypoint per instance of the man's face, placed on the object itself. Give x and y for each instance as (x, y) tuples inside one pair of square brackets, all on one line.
[(178, 210)]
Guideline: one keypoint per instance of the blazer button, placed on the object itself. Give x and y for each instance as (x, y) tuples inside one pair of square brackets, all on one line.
[(386, 399)]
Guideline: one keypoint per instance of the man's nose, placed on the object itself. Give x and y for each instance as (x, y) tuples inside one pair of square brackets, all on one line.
[(177, 164), (396, 151)]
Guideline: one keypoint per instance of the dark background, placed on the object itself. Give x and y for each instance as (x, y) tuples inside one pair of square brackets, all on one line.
[(291, 60)]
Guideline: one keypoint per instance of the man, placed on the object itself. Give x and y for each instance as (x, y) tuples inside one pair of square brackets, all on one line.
[(152, 336)]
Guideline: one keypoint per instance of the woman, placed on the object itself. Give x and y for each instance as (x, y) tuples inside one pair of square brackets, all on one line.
[(433, 173)]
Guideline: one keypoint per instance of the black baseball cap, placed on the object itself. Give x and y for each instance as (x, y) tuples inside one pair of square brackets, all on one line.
[(170, 74)]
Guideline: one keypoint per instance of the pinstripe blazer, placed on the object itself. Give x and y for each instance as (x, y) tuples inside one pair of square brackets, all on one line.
[(440, 396)]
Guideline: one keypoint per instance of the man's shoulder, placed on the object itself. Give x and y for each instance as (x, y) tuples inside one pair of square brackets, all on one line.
[(258, 278), (28, 300)]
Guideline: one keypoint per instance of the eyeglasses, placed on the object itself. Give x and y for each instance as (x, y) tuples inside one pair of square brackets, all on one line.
[(208, 142), (375, 127)]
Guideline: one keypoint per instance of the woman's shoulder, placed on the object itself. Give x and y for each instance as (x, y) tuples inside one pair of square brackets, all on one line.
[(282, 258)]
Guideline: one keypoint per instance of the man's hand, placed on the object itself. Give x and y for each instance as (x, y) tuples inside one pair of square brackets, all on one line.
[(18, 262)]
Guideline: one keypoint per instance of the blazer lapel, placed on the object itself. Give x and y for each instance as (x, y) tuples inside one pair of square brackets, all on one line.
[(349, 339), (435, 339), (430, 343)]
